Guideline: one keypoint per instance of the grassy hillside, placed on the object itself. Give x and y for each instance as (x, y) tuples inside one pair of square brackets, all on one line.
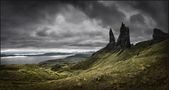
[(142, 67), (70, 60)]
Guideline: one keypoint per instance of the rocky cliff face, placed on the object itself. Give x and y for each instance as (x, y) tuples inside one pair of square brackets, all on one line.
[(158, 35)]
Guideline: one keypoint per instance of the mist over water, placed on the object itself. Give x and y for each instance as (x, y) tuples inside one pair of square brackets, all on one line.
[(33, 56), (29, 59)]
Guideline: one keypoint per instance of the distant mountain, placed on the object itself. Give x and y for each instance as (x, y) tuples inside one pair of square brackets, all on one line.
[(33, 54), (68, 60)]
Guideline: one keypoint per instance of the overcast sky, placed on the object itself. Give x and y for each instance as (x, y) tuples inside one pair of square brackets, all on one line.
[(77, 24)]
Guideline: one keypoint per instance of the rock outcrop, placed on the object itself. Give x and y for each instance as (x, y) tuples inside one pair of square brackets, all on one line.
[(111, 36), (111, 44), (158, 35), (123, 40)]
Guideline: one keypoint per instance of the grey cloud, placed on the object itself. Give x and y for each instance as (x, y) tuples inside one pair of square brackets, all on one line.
[(158, 10), (110, 16), (137, 18), (42, 32), (82, 23)]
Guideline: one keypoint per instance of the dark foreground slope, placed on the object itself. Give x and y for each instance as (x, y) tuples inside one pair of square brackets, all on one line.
[(142, 67)]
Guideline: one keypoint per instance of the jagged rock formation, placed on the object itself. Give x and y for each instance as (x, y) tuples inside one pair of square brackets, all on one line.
[(112, 39), (158, 35), (123, 40), (111, 44)]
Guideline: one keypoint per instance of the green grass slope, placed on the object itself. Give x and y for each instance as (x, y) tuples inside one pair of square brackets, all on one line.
[(145, 66), (15, 76)]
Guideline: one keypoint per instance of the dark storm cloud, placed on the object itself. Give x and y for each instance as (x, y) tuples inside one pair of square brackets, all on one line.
[(109, 15), (19, 18), (157, 9), (42, 32), (61, 23), (159, 12), (137, 18)]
